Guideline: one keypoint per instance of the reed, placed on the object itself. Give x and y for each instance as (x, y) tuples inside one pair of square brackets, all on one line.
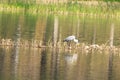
[(62, 8), (36, 44)]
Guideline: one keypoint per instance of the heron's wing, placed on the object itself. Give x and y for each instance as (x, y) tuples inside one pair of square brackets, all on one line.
[(69, 38)]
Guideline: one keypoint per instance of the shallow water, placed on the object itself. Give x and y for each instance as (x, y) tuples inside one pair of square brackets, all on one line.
[(53, 28), (51, 64), (29, 63)]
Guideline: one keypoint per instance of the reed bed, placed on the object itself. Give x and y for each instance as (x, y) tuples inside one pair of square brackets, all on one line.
[(64, 8), (36, 44)]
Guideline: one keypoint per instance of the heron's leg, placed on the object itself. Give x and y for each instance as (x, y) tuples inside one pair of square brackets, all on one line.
[(69, 44)]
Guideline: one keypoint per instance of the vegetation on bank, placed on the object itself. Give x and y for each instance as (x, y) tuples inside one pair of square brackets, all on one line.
[(63, 8)]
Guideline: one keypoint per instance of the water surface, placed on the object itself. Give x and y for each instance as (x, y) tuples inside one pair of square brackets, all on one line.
[(54, 28), (51, 64), (29, 63)]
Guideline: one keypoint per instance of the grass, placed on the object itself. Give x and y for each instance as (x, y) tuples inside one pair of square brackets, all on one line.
[(64, 8), (85, 48)]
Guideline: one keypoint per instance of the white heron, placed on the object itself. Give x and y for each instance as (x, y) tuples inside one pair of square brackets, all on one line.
[(69, 39)]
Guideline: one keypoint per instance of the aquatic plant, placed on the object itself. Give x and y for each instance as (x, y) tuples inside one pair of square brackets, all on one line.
[(5, 43), (64, 8)]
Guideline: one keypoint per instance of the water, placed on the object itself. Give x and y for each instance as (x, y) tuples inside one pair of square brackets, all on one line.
[(52, 64), (28, 63), (52, 28)]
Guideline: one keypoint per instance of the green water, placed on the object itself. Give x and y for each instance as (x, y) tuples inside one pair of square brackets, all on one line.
[(51, 64), (87, 29), (25, 63)]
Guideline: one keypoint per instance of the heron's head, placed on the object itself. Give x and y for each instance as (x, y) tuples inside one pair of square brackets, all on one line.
[(75, 40)]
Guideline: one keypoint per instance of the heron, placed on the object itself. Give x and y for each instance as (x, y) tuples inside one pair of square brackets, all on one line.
[(69, 39)]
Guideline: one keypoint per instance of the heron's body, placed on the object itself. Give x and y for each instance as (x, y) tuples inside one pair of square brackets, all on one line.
[(69, 39)]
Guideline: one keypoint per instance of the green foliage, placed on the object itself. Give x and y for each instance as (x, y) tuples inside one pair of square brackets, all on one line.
[(111, 0), (72, 7)]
